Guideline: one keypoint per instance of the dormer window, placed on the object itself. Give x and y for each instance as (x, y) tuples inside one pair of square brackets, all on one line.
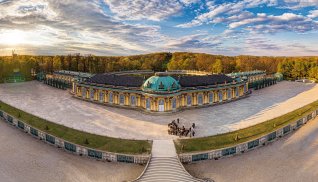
[(148, 84), (161, 86), (173, 86)]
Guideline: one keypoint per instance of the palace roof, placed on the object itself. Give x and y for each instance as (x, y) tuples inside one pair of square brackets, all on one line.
[(160, 83), (206, 80), (117, 80)]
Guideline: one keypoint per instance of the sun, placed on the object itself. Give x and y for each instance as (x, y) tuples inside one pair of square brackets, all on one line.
[(13, 37)]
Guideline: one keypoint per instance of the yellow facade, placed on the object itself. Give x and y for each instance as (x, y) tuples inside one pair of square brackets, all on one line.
[(159, 103)]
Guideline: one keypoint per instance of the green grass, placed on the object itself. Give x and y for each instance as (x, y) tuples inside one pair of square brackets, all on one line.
[(78, 137), (243, 135)]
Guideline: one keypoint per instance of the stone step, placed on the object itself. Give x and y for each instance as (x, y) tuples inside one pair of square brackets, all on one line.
[(161, 180), (168, 178), (165, 166), (166, 169), (162, 164), (160, 176)]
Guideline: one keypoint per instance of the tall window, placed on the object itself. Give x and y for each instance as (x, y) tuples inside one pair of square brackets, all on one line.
[(200, 99), (211, 97), (83, 92), (121, 99), (245, 88), (174, 103), (148, 104), (220, 96), (92, 93), (133, 100), (161, 105), (101, 96), (111, 97), (237, 91), (189, 100), (229, 94)]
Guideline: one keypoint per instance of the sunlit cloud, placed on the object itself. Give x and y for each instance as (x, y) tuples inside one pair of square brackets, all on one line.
[(120, 27)]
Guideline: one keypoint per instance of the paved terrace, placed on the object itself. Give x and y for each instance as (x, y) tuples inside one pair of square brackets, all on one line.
[(59, 106)]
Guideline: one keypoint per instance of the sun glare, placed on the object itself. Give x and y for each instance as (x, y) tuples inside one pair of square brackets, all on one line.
[(13, 37)]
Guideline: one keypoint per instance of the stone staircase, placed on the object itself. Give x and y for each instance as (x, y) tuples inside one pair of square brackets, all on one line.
[(164, 165), (166, 169)]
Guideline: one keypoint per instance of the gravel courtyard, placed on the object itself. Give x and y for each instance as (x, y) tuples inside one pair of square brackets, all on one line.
[(293, 158), (59, 106), (25, 159)]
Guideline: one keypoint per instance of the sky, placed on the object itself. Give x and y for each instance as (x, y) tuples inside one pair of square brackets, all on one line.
[(130, 27)]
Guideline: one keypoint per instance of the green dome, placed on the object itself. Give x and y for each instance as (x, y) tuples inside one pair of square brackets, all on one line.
[(161, 84)]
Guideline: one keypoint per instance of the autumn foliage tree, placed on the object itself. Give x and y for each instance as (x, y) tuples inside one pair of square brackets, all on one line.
[(290, 67)]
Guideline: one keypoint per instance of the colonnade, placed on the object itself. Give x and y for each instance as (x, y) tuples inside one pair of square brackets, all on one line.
[(158, 103)]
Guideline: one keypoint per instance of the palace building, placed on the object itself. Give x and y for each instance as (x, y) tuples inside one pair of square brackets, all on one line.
[(161, 92), (69, 76), (249, 76)]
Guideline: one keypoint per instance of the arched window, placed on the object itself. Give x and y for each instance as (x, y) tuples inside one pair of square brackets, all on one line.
[(220, 96), (83, 92), (189, 100), (174, 103), (110, 98), (121, 99), (101, 96), (148, 103), (200, 99), (92, 93), (161, 105), (229, 94), (133, 100), (211, 97)]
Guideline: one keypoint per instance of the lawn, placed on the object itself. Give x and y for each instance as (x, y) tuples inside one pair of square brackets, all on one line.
[(79, 137), (242, 135)]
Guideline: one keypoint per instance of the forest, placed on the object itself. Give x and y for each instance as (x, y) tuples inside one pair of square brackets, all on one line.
[(290, 67)]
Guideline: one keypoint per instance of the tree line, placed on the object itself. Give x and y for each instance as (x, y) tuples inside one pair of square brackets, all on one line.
[(291, 67)]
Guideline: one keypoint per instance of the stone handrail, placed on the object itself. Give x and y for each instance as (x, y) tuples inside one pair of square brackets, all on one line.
[(143, 172)]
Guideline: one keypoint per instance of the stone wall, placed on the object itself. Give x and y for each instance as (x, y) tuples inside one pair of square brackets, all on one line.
[(71, 147), (249, 145)]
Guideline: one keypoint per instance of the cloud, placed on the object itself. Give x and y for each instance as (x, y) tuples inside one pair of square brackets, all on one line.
[(217, 12), (73, 22), (189, 2), (123, 27), (193, 42), (313, 14), (151, 9), (297, 4), (271, 24), (260, 43)]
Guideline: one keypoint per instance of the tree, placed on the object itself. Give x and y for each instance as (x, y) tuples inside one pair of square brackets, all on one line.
[(217, 67), (298, 70), (57, 64)]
